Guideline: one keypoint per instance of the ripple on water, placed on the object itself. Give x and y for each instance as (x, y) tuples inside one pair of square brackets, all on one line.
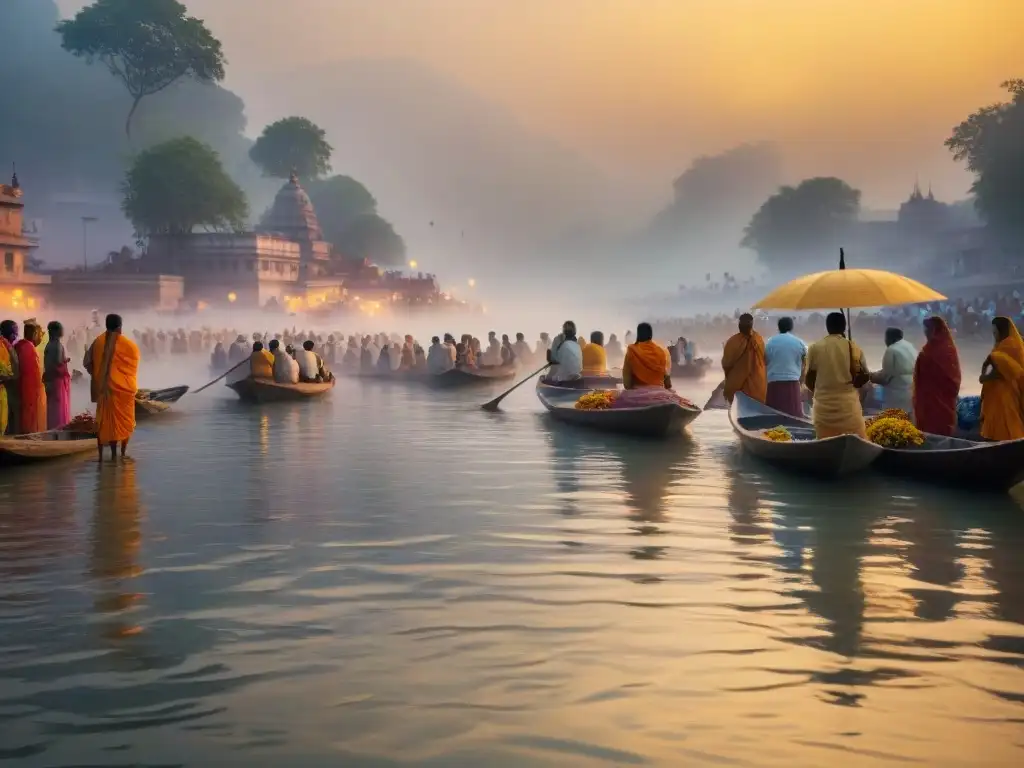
[(393, 577)]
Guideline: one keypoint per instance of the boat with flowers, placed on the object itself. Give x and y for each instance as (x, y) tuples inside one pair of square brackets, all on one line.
[(789, 443), (76, 438), (252, 390), (596, 409)]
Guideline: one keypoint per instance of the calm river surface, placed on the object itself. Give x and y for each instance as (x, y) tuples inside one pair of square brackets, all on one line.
[(393, 577)]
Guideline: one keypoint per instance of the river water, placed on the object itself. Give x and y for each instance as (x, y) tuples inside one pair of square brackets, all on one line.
[(393, 577)]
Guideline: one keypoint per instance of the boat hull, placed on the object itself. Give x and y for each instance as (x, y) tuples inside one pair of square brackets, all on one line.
[(831, 458), (44, 446), (261, 391), (961, 463), (654, 421), (458, 378)]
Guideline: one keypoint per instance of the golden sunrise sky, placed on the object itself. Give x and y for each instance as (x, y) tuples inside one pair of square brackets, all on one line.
[(865, 89)]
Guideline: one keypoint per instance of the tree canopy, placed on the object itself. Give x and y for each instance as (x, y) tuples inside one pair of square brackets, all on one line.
[(175, 187), (991, 141), (373, 238), (799, 224), (294, 144), (147, 44), (339, 200)]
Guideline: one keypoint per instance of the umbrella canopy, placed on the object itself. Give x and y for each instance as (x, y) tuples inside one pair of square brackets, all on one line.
[(848, 288)]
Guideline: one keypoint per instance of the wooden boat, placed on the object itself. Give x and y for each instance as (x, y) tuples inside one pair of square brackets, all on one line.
[(956, 462), (457, 378), (157, 401), (830, 458), (44, 446), (694, 370), (649, 421), (252, 390)]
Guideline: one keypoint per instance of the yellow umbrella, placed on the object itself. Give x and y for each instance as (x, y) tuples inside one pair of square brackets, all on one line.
[(848, 288)]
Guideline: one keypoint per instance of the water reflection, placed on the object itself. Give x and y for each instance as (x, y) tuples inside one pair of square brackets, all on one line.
[(648, 472), (116, 539)]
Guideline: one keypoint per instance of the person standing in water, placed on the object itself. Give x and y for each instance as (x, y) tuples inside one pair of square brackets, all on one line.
[(113, 363)]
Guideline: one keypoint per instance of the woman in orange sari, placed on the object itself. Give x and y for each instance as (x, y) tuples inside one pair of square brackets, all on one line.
[(936, 380), (1002, 384), (31, 394), (646, 373)]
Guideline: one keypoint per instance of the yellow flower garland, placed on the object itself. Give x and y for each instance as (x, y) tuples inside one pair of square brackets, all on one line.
[(888, 413), (778, 435), (596, 401)]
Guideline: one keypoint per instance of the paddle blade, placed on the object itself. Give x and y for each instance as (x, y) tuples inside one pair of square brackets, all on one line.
[(493, 405), (717, 401)]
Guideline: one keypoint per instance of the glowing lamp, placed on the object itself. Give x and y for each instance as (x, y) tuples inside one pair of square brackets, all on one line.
[(413, 264), (232, 297)]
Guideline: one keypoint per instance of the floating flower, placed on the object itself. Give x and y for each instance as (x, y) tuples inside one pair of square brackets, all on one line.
[(600, 400), (893, 432), (778, 435)]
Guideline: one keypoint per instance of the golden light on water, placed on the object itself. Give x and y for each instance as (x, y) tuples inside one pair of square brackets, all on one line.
[(232, 297)]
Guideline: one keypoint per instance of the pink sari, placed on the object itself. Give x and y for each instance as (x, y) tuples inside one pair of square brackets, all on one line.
[(57, 379)]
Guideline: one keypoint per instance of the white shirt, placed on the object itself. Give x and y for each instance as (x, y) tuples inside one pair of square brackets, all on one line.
[(453, 353), (898, 365), (568, 358), (286, 370), (493, 354), (306, 360), (439, 359), (523, 351)]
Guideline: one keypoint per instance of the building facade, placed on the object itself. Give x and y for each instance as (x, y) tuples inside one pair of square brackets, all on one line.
[(19, 287)]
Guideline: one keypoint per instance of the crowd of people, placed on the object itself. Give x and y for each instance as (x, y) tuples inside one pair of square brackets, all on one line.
[(35, 381), (785, 373)]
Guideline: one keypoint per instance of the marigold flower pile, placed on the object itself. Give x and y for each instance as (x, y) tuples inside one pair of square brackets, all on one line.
[(778, 435), (596, 401), (888, 413), (83, 422), (891, 432)]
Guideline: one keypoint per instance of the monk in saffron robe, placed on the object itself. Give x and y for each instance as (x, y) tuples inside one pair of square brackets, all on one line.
[(1002, 384), (744, 364), (647, 363), (936, 380), (113, 362), (31, 393)]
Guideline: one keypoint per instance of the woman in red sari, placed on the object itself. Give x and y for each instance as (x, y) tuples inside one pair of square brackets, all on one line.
[(32, 396), (936, 380)]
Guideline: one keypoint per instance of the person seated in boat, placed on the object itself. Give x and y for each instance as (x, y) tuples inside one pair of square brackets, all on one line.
[(1002, 384), (832, 365), (936, 385), (743, 362), (286, 370), (219, 357), (690, 351), (351, 358), (675, 353), (895, 380), (449, 344), (646, 363), (419, 357), (238, 351), (491, 357), (508, 354), (462, 356), (566, 359), (543, 345), (384, 360), (595, 360), (310, 363), (394, 354), (523, 352), (468, 357), (261, 362), (478, 352), (613, 350), (785, 357), (438, 358), (408, 359)]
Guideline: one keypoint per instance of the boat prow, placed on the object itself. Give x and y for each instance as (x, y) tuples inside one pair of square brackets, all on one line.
[(831, 457), (44, 446), (252, 390), (658, 420), (158, 401)]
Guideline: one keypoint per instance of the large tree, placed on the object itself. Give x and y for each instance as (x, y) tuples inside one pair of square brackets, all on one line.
[(801, 224), (147, 44), (178, 186), (373, 238), (293, 145), (991, 140), (339, 201)]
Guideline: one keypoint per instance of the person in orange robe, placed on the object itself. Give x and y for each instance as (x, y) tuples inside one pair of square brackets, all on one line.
[(113, 363), (744, 364), (1002, 384), (647, 364), (31, 393), (936, 380)]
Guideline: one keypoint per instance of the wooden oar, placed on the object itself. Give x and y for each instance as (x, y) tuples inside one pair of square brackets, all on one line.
[(229, 370), (492, 405)]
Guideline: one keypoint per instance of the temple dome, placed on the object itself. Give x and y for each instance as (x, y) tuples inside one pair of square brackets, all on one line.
[(292, 215)]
